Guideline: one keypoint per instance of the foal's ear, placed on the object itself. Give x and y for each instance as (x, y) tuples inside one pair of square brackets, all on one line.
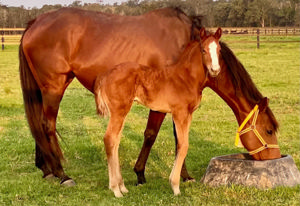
[(218, 33), (202, 33), (263, 104)]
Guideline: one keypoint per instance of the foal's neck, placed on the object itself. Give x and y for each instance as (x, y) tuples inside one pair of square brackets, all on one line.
[(190, 60), (190, 50)]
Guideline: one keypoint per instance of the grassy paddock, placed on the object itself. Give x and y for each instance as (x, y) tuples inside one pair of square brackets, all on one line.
[(274, 68)]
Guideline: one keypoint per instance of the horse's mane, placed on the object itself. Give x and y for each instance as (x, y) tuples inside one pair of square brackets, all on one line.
[(171, 12), (242, 80), (194, 21)]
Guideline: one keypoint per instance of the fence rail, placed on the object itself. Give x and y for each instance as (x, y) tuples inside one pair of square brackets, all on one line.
[(12, 36), (271, 31)]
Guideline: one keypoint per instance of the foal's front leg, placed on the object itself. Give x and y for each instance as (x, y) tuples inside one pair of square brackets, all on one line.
[(112, 140), (182, 122)]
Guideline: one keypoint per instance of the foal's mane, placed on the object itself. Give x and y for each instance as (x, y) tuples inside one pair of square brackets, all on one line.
[(242, 80)]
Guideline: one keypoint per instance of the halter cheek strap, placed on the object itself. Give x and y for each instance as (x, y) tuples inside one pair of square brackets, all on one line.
[(252, 127)]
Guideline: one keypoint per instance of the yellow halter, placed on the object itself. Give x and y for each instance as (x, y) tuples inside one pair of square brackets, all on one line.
[(252, 127)]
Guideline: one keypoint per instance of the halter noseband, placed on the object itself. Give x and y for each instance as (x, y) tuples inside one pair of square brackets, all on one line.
[(252, 127)]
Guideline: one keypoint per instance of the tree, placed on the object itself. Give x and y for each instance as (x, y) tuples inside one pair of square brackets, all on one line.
[(237, 12), (75, 4), (3, 16), (220, 13), (258, 12)]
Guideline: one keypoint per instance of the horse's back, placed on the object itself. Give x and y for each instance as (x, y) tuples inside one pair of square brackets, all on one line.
[(88, 43)]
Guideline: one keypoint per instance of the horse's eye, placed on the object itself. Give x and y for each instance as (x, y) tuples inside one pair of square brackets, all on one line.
[(270, 132)]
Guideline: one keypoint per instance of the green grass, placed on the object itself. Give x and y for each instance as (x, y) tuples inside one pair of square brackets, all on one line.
[(275, 70)]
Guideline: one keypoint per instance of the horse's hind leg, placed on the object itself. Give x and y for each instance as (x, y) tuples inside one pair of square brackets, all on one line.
[(155, 120), (40, 162), (51, 101), (49, 160)]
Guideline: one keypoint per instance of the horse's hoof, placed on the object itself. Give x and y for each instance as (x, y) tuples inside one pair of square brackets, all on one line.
[(49, 176), (139, 184), (189, 180), (69, 183), (141, 178)]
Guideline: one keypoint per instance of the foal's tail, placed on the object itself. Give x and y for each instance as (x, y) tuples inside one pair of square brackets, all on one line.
[(101, 99), (33, 103)]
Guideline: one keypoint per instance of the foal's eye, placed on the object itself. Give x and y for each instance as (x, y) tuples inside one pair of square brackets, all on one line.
[(270, 132)]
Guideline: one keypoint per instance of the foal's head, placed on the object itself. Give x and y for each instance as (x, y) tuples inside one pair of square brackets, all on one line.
[(211, 50)]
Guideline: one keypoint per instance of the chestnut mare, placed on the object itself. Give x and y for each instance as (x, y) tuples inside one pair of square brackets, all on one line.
[(68, 43), (176, 89)]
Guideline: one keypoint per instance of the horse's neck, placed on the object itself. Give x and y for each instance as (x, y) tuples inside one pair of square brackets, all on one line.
[(224, 87), (190, 59)]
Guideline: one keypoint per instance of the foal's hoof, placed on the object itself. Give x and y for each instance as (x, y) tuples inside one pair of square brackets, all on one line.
[(119, 190), (118, 194), (69, 183), (176, 191)]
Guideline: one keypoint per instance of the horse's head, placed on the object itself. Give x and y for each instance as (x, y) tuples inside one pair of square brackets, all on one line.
[(258, 133), (211, 50)]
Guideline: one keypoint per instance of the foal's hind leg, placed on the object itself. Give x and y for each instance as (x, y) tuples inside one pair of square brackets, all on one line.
[(112, 141)]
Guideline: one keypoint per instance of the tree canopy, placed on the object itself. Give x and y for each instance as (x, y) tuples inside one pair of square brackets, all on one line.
[(229, 13)]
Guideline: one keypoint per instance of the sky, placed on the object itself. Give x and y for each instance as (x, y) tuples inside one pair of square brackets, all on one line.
[(40, 3)]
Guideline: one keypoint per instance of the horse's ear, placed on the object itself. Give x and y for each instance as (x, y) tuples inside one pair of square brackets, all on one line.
[(218, 33), (263, 104), (202, 33)]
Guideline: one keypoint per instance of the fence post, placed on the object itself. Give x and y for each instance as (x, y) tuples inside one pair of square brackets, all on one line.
[(257, 31), (2, 39)]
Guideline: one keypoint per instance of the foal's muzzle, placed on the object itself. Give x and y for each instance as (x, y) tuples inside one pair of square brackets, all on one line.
[(214, 70)]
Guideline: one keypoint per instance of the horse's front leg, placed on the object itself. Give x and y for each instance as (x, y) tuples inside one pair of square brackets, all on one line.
[(154, 122), (182, 122), (112, 140)]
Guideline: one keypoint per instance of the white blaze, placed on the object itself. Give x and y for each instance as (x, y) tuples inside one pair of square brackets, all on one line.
[(214, 56)]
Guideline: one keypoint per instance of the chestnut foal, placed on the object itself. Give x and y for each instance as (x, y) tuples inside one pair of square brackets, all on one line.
[(176, 89)]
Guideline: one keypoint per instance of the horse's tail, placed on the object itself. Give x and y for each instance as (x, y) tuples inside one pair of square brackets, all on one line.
[(101, 99), (33, 103)]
